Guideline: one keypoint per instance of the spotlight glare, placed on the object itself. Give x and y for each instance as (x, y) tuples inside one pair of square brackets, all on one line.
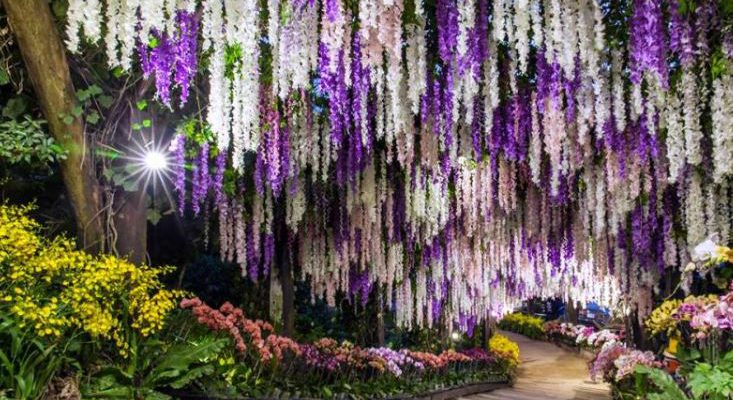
[(155, 161)]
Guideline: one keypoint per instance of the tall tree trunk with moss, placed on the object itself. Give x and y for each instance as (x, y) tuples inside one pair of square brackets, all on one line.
[(380, 317), (286, 276), (45, 60), (130, 204)]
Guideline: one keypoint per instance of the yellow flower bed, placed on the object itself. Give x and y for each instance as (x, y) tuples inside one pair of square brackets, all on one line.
[(504, 348), (527, 325), (54, 288)]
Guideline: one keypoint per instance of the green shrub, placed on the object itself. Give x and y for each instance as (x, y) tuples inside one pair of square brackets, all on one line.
[(27, 362)]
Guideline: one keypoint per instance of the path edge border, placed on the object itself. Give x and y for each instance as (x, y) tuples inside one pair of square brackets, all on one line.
[(458, 391), (440, 394)]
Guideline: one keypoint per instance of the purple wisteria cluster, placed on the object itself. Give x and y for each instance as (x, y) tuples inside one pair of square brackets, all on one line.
[(272, 164), (648, 42), (201, 180), (172, 58)]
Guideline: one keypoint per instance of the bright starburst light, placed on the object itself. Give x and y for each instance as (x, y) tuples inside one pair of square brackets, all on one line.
[(146, 164), (155, 160)]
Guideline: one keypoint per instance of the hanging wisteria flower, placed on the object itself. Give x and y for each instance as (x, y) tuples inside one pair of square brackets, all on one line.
[(648, 43), (201, 179), (722, 118)]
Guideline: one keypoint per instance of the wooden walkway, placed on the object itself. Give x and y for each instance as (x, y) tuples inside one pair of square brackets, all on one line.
[(548, 372)]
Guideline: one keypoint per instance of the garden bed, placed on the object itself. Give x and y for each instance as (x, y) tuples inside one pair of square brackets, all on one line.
[(455, 392), (438, 394)]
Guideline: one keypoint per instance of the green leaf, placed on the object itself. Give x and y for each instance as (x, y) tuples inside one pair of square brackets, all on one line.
[(136, 127), (130, 185), (105, 101), (154, 395), (153, 215), (118, 72), (82, 95), (663, 381), (94, 90), (118, 179), (15, 106), (77, 111), (92, 118), (107, 173), (147, 123), (4, 78), (191, 375), (59, 8), (68, 119), (142, 105)]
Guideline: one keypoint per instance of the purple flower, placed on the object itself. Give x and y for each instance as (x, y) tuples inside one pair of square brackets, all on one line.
[(269, 254), (680, 35), (185, 52), (447, 22), (201, 179), (171, 57), (252, 254), (218, 184), (648, 43)]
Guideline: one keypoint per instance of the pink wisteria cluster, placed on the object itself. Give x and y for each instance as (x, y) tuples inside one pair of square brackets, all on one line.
[(459, 158)]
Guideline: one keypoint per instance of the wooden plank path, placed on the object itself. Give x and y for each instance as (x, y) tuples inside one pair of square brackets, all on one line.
[(547, 372)]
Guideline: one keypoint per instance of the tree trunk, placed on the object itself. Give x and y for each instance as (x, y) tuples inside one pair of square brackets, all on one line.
[(45, 60), (288, 289), (284, 271), (131, 225), (488, 331), (571, 311), (130, 207), (380, 317)]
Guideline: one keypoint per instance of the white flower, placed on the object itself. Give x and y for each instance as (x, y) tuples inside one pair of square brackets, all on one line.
[(722, 115), (619, 100), (416, 65), (535, 145), (536, 18), (521, 27), (704, 251), (569, 38), (675, 138), (500, 20), (297, 50), (691, 105), (694, 210)]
